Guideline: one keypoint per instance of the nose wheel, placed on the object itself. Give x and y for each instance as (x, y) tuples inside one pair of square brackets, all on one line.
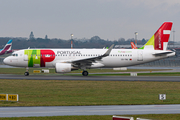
[(26, 73), (85, 73)]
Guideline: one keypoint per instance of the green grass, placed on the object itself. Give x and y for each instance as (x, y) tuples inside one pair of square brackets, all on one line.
[(20, 70), (78, 93), (97, 117), (160, 74)]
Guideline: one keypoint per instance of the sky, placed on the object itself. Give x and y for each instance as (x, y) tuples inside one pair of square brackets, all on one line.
[(108, 19)]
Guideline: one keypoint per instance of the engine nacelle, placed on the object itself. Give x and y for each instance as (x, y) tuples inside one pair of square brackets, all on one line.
[(63, 67)]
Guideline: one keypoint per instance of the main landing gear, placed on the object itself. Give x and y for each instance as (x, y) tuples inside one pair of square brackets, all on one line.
[(27, 72), (85, 73)]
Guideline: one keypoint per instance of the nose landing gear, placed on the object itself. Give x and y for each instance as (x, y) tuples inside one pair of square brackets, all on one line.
[(27, 72)]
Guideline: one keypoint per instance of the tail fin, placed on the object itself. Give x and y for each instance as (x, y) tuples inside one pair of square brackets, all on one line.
[(7, 47), (133, 46), (159, 40)]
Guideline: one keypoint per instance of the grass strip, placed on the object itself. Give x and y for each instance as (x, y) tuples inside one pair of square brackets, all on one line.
[(160, 74), (80, 93)]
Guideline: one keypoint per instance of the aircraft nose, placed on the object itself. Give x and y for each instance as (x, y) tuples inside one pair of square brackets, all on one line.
[(6, 61)]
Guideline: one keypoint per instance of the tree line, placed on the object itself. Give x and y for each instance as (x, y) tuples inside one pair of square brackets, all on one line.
[(94, 42)]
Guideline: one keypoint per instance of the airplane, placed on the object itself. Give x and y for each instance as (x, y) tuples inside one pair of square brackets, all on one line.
[(7, 48), (133, 46), (66, 60)]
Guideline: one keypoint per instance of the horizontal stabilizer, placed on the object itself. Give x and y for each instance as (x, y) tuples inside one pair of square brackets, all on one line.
[(162, 52)]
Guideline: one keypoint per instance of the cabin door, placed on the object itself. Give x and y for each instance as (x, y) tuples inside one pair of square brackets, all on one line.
[(140, 56), (25, 57)]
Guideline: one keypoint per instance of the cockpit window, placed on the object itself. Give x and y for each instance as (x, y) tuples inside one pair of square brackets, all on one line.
[(14, 54)]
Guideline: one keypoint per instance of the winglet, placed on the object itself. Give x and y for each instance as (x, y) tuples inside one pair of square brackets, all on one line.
[(108, 51)]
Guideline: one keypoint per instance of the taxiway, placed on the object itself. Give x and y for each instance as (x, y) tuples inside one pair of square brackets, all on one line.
[(88, 110), (94, 78)]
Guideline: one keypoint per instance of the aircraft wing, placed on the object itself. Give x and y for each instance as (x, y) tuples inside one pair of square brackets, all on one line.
[(89, 61)]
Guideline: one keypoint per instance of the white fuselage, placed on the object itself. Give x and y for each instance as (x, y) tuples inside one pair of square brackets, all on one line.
[(116, 58)]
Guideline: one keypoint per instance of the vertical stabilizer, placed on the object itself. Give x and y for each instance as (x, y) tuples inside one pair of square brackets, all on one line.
[(7, 47), (133, 46), (160, 39)]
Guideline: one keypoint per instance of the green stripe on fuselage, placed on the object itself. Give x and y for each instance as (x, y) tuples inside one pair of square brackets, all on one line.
[(33, 57)]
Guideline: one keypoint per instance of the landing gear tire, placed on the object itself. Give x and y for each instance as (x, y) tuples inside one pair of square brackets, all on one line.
[(85, 73), (26, 73)]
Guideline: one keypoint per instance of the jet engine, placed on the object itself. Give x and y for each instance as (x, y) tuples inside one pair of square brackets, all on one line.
[(63, 67)]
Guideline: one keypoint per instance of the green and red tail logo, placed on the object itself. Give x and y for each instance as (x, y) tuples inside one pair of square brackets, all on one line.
[(160, 38)]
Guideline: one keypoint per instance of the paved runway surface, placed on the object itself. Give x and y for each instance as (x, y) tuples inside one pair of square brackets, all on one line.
[(88, 110), (98, 78)]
